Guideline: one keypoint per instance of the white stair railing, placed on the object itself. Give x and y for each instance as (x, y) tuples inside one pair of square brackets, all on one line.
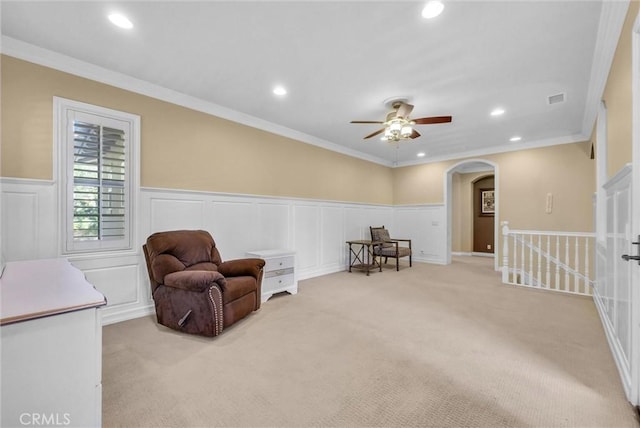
[(556, 261)]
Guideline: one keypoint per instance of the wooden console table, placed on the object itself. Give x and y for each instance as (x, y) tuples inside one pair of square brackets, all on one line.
[(361, 257)]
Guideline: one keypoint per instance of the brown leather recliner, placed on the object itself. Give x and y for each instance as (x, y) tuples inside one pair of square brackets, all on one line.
[(193, 289)]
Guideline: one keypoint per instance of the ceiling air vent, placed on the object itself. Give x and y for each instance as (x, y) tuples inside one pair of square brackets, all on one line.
[(555, 99)]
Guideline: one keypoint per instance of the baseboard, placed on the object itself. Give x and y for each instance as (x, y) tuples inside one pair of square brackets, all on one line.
[(472, 254), (126, 314), (325, 270), (477, 254), (432, 260), (308, 274)]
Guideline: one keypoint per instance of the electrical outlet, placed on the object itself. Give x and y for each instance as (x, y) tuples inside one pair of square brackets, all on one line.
[(488, 246)]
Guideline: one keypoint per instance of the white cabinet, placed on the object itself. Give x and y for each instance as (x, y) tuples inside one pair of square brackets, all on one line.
[(279, 272), (51, 356)]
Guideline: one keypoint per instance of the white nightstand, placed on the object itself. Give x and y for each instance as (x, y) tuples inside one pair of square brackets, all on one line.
[(279, 272)]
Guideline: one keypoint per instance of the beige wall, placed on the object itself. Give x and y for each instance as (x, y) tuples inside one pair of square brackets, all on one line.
[(523, 180), (617, 97), (180, 148), (186, 149)]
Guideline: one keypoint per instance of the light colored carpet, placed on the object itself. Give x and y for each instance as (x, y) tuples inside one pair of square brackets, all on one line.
[(430, 346)]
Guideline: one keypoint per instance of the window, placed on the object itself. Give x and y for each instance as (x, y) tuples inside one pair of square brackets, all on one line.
[(98, 153)]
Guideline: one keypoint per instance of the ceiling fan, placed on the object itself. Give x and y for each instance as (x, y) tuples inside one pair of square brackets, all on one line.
[(398, 126)]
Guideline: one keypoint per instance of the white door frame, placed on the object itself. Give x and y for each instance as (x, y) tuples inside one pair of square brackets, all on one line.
[(635, 210)]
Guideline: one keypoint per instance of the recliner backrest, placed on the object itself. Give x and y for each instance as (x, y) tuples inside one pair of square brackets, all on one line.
[(178, 250)]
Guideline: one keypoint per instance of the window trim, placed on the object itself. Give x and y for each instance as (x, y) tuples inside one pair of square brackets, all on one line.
[(64, 177)]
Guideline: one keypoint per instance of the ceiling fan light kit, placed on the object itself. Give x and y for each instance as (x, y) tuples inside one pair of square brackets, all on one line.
[(398, 126)]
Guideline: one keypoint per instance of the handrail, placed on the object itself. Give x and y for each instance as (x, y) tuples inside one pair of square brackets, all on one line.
[(548, 232)]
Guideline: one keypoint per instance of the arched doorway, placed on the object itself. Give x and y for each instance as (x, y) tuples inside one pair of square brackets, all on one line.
[(480, 167)]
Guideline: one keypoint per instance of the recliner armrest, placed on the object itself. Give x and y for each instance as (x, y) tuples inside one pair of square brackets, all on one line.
[(242, 267), (194, 280)]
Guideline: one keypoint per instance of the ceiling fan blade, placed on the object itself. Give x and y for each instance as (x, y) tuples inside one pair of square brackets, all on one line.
[(379, 131), (414, 134), (431, 120), (366, 121), (404, 110)]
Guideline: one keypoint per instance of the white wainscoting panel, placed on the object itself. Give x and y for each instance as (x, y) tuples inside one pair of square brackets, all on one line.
[(172, 214), (612, 294), (109, 274), (426, 225), (234, 227), (358, 220), (376, 217), (307, 238), (316, 230), (122, 278), (331, 231), (274, 231), (21, 209), (29, 219)]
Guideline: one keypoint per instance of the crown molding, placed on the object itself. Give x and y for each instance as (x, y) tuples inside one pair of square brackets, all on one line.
[(575, 138), (612, 18), (37, 55)]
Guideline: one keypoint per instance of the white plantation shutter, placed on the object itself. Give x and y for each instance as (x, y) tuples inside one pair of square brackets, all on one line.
[(97, 163), (99, 167)]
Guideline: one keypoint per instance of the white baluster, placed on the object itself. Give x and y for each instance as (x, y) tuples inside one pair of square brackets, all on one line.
[(557, 283), (587, 288), (514, 277), (547, 256), (505, 252), (565, 286), (539, 248), (522, 269), (576, 277), (531, 260)]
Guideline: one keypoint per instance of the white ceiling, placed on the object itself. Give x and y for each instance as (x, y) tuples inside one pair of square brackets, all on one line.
[(341, 60)]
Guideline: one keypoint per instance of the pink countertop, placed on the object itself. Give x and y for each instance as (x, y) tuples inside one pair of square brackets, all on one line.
[(38, 288)]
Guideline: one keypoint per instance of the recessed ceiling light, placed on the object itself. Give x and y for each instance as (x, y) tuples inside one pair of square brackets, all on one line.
[(432, 9), (497, 112), (280, 91), (120, 20), (421, 154), (515, 138)]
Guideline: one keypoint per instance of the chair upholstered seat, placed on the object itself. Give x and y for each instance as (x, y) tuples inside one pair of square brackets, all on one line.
[(237, 287), (391, 251)]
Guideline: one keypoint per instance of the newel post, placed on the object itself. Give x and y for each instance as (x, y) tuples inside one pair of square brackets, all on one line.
[(505, 252)]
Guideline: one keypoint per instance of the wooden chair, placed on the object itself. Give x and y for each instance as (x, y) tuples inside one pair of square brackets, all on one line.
[(389, 247)]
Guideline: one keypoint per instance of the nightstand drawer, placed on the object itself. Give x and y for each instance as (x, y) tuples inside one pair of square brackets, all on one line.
[(278, 263), (276, 283), (278, 272)]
